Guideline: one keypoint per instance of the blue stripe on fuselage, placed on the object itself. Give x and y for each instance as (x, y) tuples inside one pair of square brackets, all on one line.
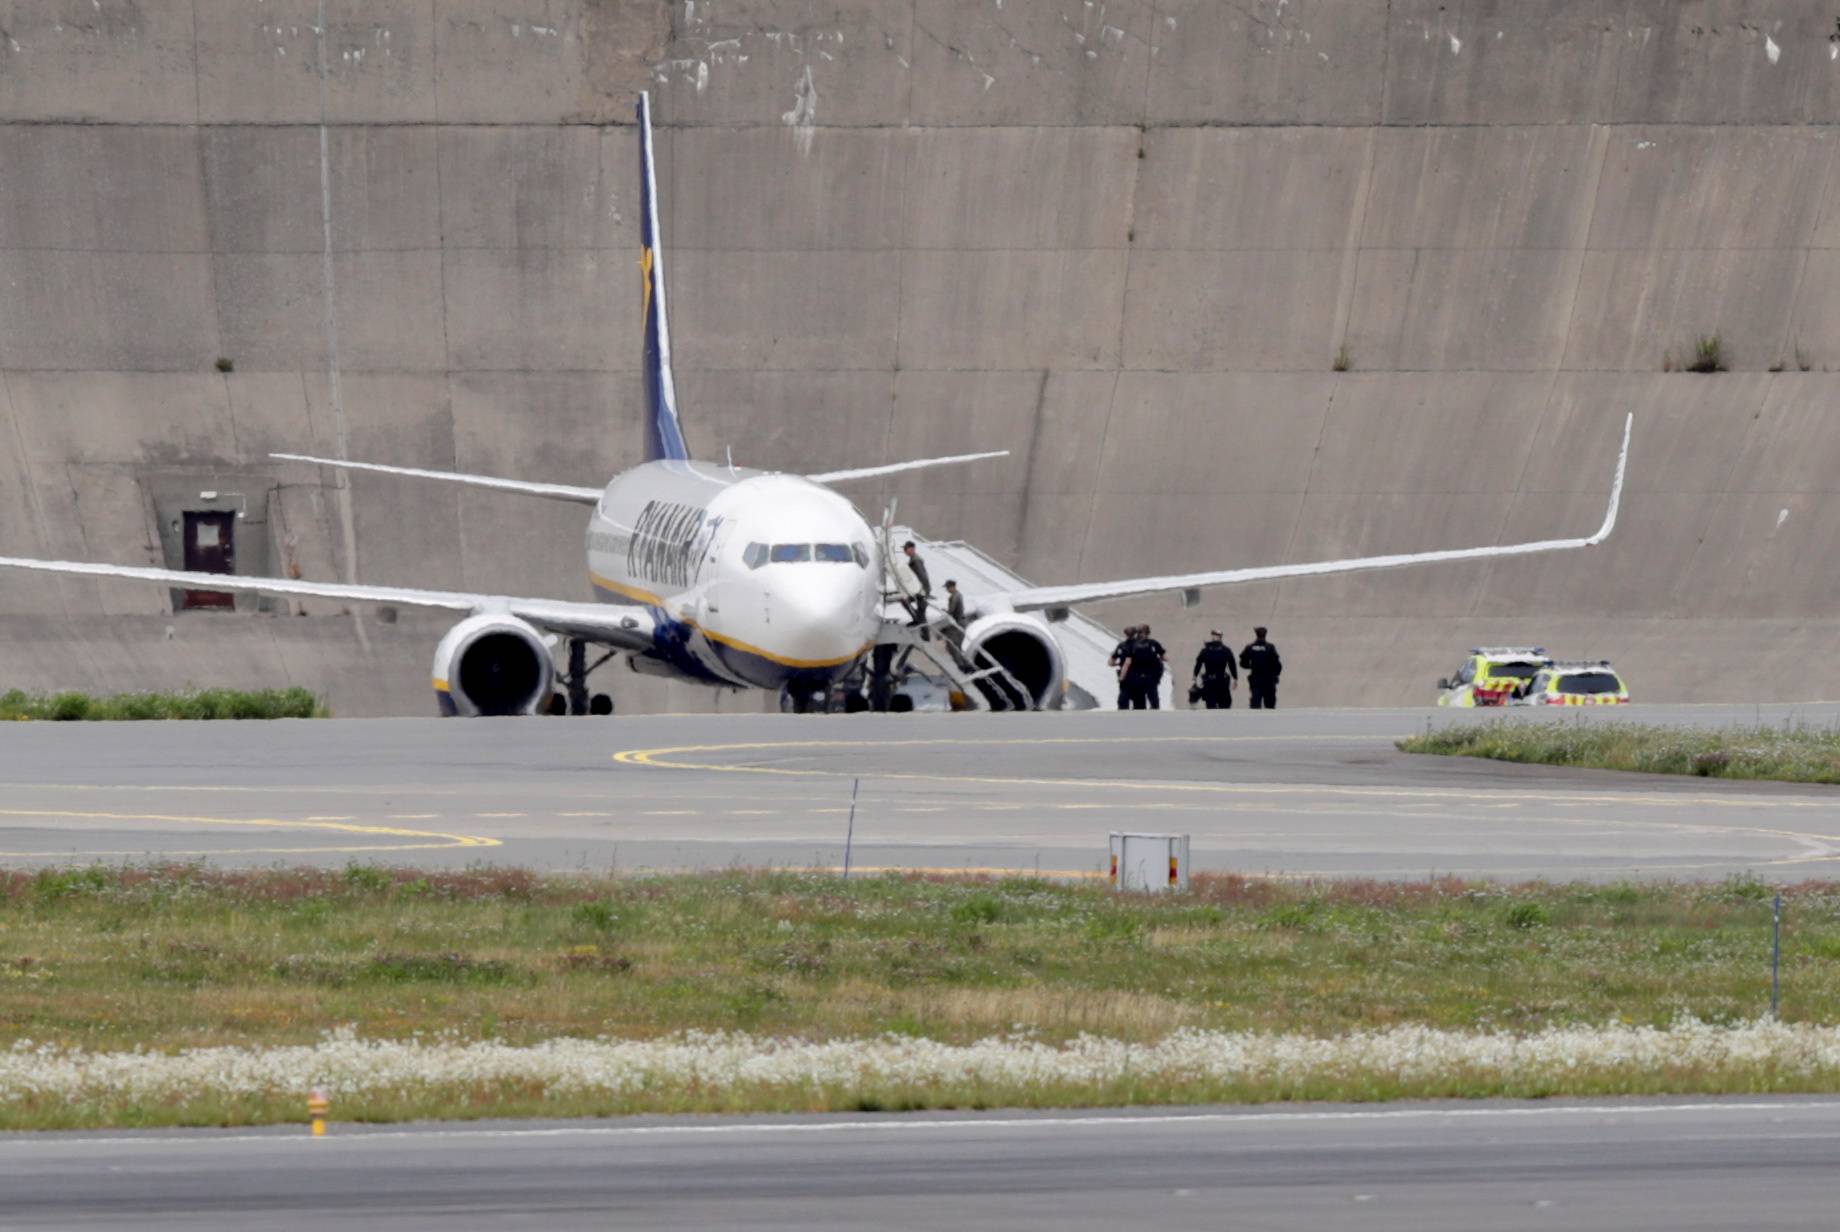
[(671, 641)]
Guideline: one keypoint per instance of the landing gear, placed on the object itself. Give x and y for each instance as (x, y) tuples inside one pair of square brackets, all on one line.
[(881, 678), (804, 696), (578, 676), (579, 701)]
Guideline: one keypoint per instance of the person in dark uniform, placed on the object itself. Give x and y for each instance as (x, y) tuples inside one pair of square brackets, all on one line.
[(922, 582), (1121, 655), (1144, 670), (1263, 667), (955, 608), (1215, 673), (955, 601)]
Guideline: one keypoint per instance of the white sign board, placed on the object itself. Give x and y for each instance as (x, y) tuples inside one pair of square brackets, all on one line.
[(1149, 863)]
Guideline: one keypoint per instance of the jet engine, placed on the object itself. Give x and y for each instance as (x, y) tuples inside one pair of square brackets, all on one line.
[(493, 665), (1024, 647)]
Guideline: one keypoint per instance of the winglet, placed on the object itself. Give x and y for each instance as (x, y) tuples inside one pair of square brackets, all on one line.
[(1616, 486), (664, 436)]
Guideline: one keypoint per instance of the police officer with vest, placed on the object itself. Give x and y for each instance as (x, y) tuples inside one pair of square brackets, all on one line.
[(1215, 673), (1263, 667), (1143, 672), (1121, 655)]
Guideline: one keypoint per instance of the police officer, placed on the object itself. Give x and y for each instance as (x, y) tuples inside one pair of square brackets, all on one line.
[(1215, 673), (1144, 670), (923, 587), (1121, 655), (1263, 667), (955, 608)]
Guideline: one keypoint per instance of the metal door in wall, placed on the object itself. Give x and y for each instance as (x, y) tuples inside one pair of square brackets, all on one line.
[(210, 547)]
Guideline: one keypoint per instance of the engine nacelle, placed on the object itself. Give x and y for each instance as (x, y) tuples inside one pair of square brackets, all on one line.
[(493, 665), (1025, 648)]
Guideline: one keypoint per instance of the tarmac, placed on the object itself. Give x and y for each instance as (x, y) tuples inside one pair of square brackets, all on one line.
[(1700, 1164), (1290, 794)]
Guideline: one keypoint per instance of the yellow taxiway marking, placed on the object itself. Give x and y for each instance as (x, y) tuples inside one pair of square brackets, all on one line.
[(666, 758), (432, 840)]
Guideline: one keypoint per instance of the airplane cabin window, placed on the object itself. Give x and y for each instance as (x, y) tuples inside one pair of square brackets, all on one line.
[(790, 553), (755, 556), (834, 553)]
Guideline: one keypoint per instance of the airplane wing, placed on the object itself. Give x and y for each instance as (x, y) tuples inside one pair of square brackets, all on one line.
[(550, 491), (623, 628), (864, 472), (1062, 597)]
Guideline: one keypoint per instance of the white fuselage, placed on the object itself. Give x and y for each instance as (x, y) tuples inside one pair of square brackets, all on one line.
[(754, 578)]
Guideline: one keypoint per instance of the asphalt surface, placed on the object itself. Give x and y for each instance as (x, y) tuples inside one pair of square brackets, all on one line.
[(1754, 1164), (1303, 793)]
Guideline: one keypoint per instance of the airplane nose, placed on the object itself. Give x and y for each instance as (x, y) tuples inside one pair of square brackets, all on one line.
[(825, 619)]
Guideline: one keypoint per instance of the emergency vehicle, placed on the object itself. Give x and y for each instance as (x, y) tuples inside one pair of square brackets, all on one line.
[(1493, 675), (1575, 684)]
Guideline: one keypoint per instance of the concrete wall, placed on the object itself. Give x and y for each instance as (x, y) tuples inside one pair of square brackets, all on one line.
[(1126, 241)]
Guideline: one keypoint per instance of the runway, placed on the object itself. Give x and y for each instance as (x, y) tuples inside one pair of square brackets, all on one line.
[(1291, 793), (1743, 1163)]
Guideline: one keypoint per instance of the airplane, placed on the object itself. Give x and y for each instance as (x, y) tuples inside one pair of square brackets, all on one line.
[(736, 577)]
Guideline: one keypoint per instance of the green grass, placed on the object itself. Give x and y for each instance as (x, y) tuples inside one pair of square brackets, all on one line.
[(112, 959), (1790, 754), (107, 958), (293, 703), (1708, 354)]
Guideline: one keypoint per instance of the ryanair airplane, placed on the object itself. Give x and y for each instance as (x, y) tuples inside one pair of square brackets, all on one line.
[(730, 576)]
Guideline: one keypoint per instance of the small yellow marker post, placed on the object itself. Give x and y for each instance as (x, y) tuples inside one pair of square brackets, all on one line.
[(317, 1108)]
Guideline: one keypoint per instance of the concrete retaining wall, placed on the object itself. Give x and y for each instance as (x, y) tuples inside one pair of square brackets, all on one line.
[(1126, 242)]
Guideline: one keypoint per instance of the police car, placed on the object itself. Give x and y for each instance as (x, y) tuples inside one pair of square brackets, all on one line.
[(1493, 675), (1575, 684)]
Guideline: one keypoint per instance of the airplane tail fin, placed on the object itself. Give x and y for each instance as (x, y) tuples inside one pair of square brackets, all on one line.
[(664, 436)]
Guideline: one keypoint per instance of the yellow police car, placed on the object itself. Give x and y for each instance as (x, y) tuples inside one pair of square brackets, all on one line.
[(1575, 684), (1493, 675)]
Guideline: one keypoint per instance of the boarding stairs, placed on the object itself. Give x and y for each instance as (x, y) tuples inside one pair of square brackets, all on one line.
[(1085, 644)]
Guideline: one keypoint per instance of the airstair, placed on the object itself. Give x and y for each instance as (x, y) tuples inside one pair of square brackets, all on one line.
[(1085, 644)]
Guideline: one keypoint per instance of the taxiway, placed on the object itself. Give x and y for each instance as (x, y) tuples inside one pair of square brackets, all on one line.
[(1695, 1164), (1294, 793)]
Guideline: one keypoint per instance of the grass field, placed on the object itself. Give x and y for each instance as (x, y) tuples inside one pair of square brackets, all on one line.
[(1791, 754), (292, 703), (101, 961)]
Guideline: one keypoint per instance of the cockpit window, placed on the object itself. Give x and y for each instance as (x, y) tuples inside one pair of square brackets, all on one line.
[(862, 554), (835, 553), (755, 556), (790, 553)]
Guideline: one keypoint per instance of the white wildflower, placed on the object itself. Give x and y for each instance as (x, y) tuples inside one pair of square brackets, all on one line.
[(346, 1065)]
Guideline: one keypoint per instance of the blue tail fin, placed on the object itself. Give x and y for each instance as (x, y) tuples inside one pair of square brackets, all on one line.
[(664, 436)]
